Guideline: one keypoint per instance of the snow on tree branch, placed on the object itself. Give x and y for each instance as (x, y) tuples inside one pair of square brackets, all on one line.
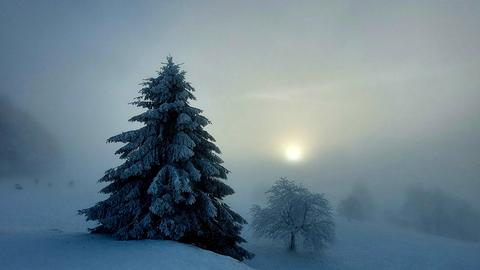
[(293, 212)]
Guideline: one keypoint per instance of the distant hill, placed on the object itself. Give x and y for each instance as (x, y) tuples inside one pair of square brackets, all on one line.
[(26, 147)]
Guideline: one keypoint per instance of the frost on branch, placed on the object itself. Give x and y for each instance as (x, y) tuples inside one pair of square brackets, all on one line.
[(294, 213)]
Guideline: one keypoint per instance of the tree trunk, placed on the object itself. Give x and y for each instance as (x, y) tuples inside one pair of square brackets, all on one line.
[(292, 246)]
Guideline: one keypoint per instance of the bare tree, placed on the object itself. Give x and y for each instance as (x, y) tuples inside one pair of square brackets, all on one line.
[(292, 213)]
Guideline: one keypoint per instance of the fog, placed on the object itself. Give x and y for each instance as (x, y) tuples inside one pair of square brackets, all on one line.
[(28, 150), (385, 94)]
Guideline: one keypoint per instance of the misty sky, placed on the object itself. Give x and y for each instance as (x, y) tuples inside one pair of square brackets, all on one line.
[(376, 92)]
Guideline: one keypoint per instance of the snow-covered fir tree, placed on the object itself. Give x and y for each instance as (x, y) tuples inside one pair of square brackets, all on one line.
[(171, 183)]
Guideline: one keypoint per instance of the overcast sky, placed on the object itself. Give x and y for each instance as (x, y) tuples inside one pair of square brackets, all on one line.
[(383, 93)]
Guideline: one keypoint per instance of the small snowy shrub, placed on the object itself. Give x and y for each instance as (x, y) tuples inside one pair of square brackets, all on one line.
[(358, 205)]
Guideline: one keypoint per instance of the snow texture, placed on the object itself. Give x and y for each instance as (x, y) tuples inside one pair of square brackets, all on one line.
[(57, 250), (39, 229), (366, 245)]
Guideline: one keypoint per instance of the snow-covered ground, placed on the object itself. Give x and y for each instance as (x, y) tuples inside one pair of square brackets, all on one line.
[(373, 246), (39, 229), (64, 250)]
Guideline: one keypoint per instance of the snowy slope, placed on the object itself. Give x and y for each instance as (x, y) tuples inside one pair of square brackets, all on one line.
[(372, 246), (39, 229), (59, 250)]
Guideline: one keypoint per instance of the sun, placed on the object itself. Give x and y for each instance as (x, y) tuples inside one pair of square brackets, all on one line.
[(293, 152)]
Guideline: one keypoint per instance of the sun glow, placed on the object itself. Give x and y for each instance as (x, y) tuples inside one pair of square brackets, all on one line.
[(293, 152)]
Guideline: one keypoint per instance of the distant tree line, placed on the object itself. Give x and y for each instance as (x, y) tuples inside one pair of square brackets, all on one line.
[(434, 211), (431, 211)]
